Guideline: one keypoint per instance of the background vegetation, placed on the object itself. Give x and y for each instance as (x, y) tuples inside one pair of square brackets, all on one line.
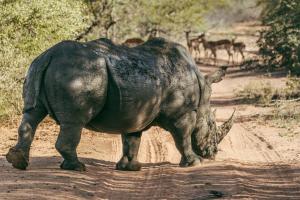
[(262, 92), (280, 40), (283, 103), (27, 27)]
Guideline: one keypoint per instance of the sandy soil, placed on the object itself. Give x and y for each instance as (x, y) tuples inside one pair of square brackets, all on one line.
[(254, 161)]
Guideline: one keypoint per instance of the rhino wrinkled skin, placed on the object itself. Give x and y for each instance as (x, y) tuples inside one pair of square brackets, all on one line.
[(115, 89)]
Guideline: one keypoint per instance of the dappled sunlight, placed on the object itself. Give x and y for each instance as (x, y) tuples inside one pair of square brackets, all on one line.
[(102, 86)]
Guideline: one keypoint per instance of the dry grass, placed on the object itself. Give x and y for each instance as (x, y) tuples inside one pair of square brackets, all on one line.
[(286, 115), (285, 103), (262, 92)]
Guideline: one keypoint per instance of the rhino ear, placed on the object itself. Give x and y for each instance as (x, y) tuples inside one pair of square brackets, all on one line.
[(216, 76)]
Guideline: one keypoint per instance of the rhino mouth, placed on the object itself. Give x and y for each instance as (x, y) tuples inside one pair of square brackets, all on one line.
[(205, 140)]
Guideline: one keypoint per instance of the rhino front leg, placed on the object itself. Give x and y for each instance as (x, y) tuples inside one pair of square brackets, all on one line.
[(181, 132), (18, 155), (66, 144), (131, 144)]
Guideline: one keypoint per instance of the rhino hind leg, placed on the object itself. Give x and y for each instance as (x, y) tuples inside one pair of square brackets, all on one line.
[(18, 155), (66, 144), (131, 144), (181, 130)]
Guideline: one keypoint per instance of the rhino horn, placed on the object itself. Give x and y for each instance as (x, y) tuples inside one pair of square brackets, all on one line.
[(225, 128)]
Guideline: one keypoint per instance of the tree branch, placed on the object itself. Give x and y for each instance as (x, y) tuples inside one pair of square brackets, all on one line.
[(87, 30)]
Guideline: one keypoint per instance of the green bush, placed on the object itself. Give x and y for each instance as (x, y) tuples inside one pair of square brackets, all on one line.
[(280, 41), (28, 27)]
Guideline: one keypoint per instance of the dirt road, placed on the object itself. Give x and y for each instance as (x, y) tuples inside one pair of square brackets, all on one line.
[(254, 161)]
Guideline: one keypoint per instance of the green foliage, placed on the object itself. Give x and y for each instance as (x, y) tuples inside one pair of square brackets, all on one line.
[(33, 25), (121, 19), (28, 27), (280, 42), (172, 16), (267, 6)]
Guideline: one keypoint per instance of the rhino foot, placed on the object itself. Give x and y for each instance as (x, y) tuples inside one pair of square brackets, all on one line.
[(77, 166), (189, 163), (126, 165), (17, 158)]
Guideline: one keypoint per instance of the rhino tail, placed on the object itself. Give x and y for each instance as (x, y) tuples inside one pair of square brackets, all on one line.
[(33, 80)]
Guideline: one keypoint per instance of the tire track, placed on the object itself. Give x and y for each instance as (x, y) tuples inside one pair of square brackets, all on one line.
[(262, 144), (149, 180)]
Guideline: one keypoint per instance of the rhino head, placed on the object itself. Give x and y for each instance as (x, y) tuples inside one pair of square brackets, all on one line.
[(207, 135)]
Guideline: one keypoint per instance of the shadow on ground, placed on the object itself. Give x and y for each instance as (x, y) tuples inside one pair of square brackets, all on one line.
[(228, 102), (235, 71), (44, 180)]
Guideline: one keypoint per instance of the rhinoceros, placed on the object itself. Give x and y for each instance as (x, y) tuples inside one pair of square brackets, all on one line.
[(110, 88)]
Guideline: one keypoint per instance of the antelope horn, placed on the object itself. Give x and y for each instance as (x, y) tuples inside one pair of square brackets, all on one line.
[(225, 128)]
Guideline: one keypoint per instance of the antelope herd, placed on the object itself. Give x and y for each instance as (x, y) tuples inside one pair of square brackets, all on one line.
[(232, 48), (213, 46)]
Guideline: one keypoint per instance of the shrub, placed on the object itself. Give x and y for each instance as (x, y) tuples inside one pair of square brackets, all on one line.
[(280, 41), (264, 93), (259, 92), (284, 103), (28, 27)]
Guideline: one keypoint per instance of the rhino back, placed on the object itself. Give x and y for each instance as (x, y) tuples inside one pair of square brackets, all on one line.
[(143, 82)]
